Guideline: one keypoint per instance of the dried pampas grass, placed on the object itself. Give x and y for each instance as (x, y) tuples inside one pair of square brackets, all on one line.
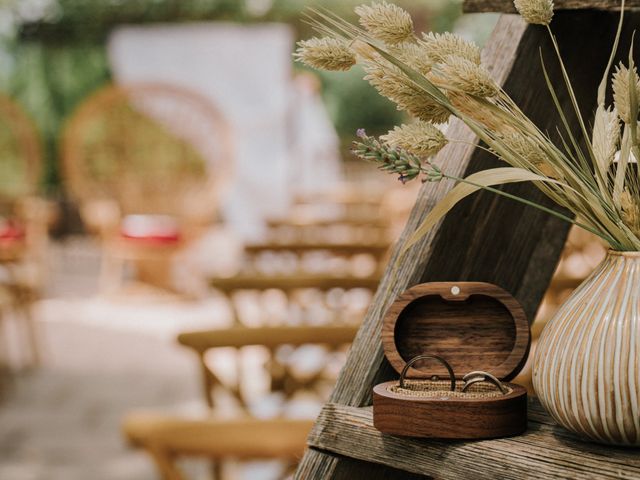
[(464, 76), (539, 12), (325, 54), (416, 55), (386, 22), (420, 138), (621, 93), (439, 46), (594, 175), (393, 84)]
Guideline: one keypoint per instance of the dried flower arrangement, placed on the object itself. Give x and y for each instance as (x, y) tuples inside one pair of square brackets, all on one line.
[(436, 76)]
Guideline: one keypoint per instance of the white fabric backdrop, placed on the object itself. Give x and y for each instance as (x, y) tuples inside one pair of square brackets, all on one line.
[(283, 139)]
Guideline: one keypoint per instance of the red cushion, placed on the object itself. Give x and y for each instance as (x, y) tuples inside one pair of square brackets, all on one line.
[(151, 229), (154, 239), (11, 232)]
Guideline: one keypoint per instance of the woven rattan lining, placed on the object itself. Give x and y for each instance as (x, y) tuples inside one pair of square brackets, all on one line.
[(441, 388)]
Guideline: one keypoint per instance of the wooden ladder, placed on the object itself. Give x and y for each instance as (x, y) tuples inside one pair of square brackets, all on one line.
[(489, 239)]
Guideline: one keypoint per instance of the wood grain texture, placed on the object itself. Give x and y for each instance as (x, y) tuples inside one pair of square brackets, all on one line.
[(543, 451), (485, 238), (506, 6), (355, 469), (479, 326), (453, 418)]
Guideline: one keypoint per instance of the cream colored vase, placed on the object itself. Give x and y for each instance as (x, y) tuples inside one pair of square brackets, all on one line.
[(586, 369)]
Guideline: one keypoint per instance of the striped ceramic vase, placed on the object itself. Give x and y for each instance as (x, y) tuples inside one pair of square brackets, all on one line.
[(586, 369)]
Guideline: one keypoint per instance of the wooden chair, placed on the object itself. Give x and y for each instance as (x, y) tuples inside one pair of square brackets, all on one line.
[(377, 247), (147, 164), (24, 221), (302, 293), (305, 268), (347, 201), (347, 222), (167, 438), (5, 361), (282, 374), (290, 283), (347, 213)]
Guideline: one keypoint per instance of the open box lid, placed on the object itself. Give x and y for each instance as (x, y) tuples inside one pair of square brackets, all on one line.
[(472, 325)]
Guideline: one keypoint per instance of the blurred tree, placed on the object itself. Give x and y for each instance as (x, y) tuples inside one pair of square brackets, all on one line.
[(49, 81), (66, 21), (52, 53), (353, 103)]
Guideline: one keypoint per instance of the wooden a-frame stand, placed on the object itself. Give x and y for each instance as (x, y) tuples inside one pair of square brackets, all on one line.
[(489, 239)]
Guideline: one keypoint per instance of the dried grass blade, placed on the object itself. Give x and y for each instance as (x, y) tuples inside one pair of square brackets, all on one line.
[(621, 170), (483, 180), (602, 89), (576, 147)]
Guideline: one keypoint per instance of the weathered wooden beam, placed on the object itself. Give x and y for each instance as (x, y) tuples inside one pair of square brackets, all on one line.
[(485, 238), (506, 6), (353, 469), (544, 451)]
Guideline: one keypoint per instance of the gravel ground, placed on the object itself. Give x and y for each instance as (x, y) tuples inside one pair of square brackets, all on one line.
[(101, 359)]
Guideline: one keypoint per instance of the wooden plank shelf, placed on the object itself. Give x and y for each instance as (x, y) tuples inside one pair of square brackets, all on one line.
[(544, 451), (506, 6)]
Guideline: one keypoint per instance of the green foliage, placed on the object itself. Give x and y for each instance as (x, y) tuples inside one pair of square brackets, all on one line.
[(49, 81), (92, 20), (355, 104), (13, 173)]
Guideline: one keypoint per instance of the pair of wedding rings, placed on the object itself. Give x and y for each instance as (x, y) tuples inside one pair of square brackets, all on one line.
[(469, 379)]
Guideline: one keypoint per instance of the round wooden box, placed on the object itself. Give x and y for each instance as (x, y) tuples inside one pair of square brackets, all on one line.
[(473, 326)]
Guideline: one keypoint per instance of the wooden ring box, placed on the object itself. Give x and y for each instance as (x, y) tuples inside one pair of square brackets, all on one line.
[(473, 326)]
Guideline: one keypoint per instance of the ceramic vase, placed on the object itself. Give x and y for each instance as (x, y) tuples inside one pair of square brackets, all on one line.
[(586, 369)]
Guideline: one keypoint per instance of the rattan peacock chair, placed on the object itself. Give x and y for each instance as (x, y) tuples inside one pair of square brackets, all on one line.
[(24, 220), (147, 164)]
